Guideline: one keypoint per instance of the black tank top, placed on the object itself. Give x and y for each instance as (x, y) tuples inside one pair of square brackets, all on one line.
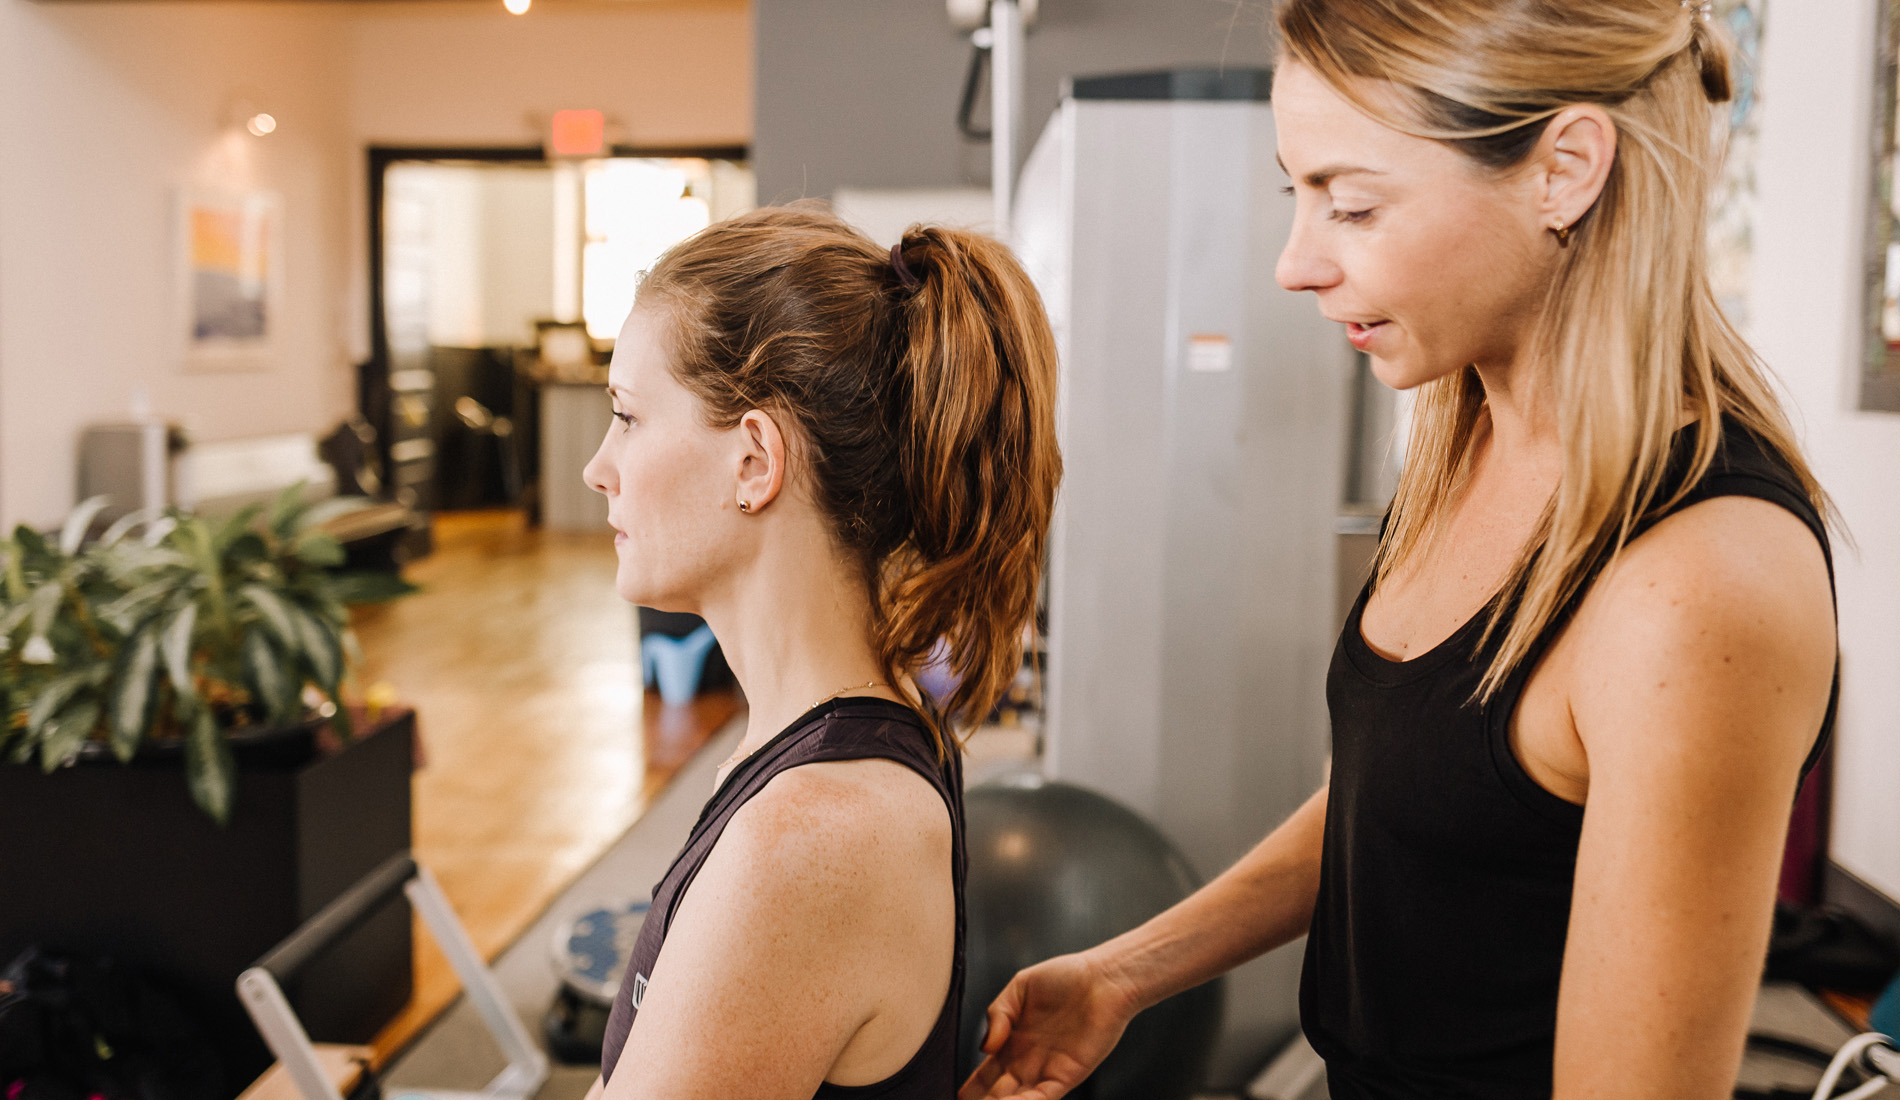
[(1438, 938), (840, 729)]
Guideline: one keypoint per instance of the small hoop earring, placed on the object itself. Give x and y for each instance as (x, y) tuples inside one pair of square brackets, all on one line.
[(1563, 233), (745, 506)]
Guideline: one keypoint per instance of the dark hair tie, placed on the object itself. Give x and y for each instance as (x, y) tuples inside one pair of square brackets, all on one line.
[(903, 272)]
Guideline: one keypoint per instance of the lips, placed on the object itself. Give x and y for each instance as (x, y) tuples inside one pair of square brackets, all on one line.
[(1361, 334)]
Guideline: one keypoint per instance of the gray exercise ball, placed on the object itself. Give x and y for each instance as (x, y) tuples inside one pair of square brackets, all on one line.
[(1056, 868)]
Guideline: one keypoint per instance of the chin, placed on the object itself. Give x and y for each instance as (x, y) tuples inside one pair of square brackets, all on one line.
[(1406, 373)]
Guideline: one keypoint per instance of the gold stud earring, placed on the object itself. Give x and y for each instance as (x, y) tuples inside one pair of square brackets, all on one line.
[(1563, 232), (745, 506)]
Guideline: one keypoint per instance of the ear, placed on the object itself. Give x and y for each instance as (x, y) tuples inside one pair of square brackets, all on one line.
[(761, 460), (1574, 158)]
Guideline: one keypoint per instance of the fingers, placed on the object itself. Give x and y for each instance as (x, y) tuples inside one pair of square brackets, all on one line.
[(1002, 1014), (985, 1075)]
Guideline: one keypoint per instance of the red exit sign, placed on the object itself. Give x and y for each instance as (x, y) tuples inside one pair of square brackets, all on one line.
[(578, 133)]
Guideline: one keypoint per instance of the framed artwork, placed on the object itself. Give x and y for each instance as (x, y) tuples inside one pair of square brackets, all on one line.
[(1880, 357), (1732, 213), (230, 278)]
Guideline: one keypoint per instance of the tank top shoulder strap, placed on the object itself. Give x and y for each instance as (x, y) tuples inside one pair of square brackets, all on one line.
[(1744, 465)]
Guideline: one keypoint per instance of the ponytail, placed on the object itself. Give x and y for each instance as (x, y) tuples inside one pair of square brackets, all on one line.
[(920, 384), (979, 462)]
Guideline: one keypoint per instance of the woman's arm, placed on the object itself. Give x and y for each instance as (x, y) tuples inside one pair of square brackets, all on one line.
[(818, 938), (1056, 1021), (1699, 679)]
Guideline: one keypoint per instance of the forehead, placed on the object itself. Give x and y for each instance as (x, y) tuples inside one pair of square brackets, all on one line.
[(1320, 130), (640, 354)]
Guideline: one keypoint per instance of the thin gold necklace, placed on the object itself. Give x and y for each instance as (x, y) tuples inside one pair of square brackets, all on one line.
[(738, 756)]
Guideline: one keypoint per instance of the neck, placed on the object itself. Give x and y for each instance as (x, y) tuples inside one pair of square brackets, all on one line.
[(795, 627), (1521, 430)]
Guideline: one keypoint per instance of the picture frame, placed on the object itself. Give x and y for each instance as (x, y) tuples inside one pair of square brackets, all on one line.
[(230, 278), (1880, 325)]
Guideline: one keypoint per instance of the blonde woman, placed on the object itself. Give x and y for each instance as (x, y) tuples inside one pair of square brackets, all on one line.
[(1572, 707)]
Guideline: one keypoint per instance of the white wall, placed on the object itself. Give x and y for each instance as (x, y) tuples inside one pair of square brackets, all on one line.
[(105, 110), (1812, 173)]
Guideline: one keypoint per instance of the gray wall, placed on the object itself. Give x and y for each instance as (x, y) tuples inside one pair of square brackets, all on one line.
[(863, 93)]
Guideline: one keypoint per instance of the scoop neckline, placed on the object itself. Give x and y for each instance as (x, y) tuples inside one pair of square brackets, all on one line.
[(1378, 667)]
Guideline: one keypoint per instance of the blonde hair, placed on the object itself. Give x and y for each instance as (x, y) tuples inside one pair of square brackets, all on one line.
[(1631, 327)]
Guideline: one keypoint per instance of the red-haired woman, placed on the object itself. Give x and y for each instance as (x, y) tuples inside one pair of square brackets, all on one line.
[(836, 454)]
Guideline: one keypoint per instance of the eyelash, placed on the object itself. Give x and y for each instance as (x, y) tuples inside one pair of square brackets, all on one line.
[(1350, 217), (625, 419)]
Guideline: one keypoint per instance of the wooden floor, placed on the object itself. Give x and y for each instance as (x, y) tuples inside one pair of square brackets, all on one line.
[(539, 748)]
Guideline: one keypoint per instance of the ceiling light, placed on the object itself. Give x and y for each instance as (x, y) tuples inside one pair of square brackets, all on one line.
[(516, 7), (260, 124)]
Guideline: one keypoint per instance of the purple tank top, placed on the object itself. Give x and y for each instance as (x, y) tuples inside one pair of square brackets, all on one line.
[(839, 729)]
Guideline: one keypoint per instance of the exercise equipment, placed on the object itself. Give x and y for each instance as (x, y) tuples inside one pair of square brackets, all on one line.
[(1873, 1055), (590, 955), (260, 990), (1055, 868)]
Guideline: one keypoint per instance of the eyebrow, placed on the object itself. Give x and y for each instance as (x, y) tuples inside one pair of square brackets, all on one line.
[(1321, 177)]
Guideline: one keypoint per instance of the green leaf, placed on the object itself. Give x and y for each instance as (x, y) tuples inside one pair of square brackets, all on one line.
[(127, 611), (32, 543), (320, 549), (238, 525), (286, 510), (123, 526), (247, 547), (73, 532), (275, 613), (42, 605), (134, 692), (268, 678), (319, 643), (16, 614), (66, 733), (209, 770), (53, 698), (369, 587), (175, 645)]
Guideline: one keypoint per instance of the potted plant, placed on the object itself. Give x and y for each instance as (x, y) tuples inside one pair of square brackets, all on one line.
[(181, 784), (195, 637)]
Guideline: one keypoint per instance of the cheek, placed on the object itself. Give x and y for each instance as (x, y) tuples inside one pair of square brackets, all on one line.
[(669, 506)]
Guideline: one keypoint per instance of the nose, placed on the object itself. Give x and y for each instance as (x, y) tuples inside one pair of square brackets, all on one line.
[(1304, 263), (599, 473)]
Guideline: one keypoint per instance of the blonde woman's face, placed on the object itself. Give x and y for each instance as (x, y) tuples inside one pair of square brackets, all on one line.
[(1429, 261)]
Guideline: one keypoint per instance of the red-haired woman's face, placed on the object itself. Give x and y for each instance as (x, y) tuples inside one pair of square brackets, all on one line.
[(1430, 262), (668, 478)]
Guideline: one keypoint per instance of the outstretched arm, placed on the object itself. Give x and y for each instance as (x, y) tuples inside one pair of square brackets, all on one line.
[(1056, 1021), (1700, 676)]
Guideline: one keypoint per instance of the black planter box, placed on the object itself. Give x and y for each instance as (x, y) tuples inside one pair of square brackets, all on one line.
[(113, 859)]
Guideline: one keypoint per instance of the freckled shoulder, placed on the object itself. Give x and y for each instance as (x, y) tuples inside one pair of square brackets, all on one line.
[(837, 820), (1726, 601)]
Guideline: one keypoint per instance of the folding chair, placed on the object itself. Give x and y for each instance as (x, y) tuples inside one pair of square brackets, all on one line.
[(263, 996)]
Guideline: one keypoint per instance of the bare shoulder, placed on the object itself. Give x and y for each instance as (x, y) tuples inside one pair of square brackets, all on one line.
[(1720, 617), (1731, 563), (836, 821)]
